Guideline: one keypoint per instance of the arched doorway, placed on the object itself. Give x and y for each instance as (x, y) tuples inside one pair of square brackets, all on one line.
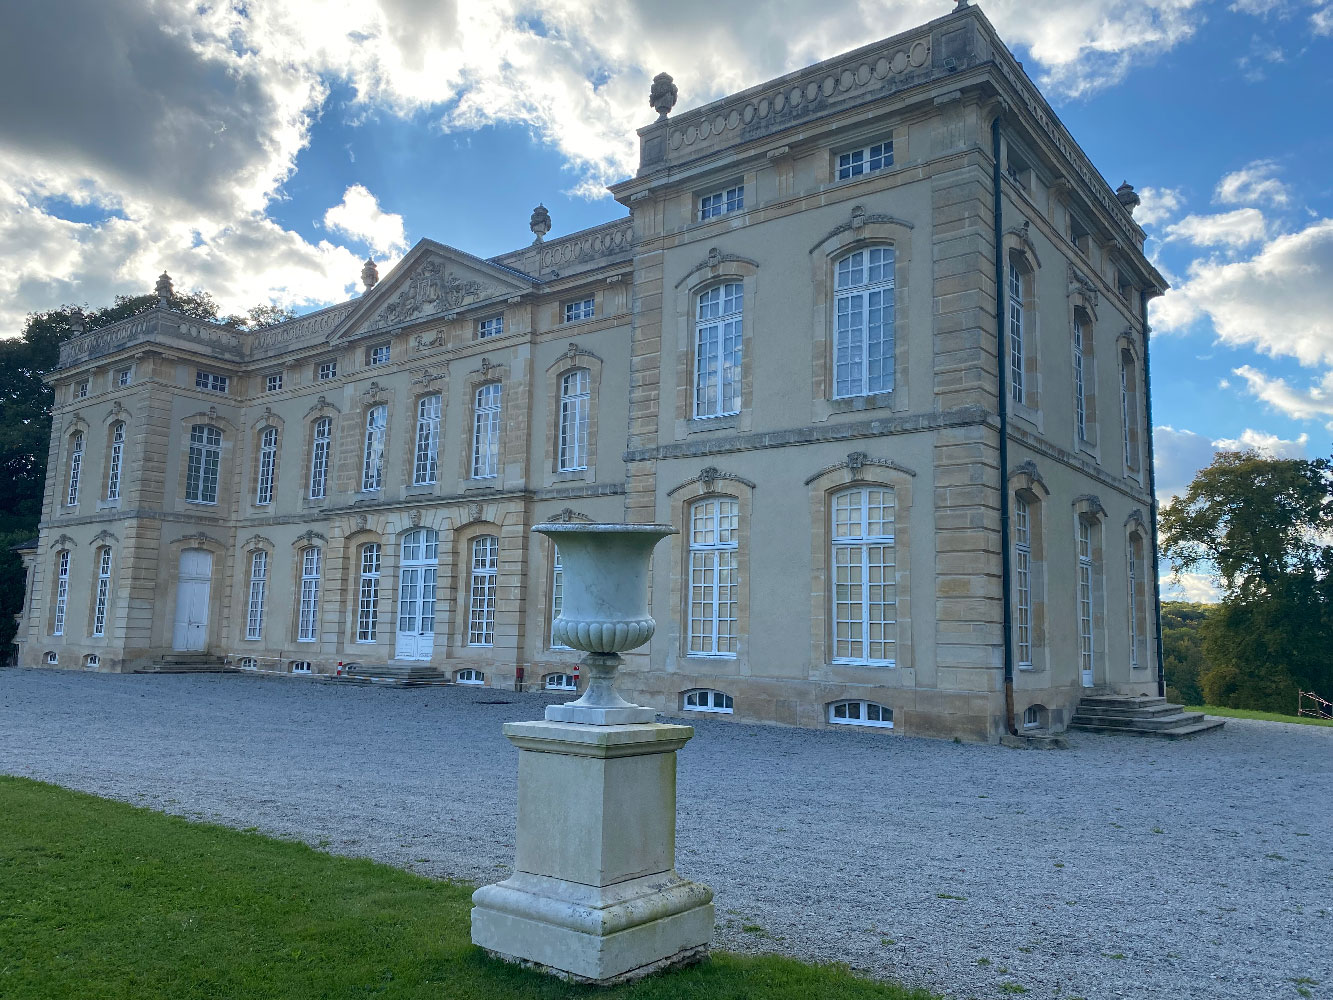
[(418, 566)]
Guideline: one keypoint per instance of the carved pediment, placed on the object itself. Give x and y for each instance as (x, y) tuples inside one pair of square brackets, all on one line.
[(432, 280)]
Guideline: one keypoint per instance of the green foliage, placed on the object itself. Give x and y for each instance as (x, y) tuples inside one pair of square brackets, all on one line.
[(1262, 525), (101, 899), (1182, 650), (25, 417)]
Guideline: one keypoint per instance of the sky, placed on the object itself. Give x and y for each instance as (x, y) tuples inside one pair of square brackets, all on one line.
[(261, 149)]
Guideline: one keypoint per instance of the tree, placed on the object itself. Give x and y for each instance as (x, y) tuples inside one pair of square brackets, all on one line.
[(1182, 650), (1262, 525), (25, 417)]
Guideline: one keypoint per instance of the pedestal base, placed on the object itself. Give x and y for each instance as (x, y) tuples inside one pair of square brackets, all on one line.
[(595, 935), (590, 716)]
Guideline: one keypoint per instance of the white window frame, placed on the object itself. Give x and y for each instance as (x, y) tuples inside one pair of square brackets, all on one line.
[(326, 370), (575, 402), (80, 390), (557, 595), (1023, 582), (75, 470), (114, 461), (1080, 394), (707, 700), (210, 381), (425, 461), (868, 159), (1085, 594), (864, 287), (718, 345), (714, 578), (861, 551), (380, 354), (1017, 385), (372, 466), (308, 620), (103, 591), (273, 382), (249, 663), (254, 620), (203, 465), (268, 466), (469, 676), (62, 592), (1032, 717), (321, 445), (722, 201), (580, 309), (481, 592), (560, 682), (1134, 572), (491, 326), (52, 658), (368, 594), (301, 666), (92, 660), (862, 710), (488, 402), (124, 376)]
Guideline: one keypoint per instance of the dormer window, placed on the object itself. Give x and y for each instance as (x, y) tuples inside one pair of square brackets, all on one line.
[(123, 376), (326, 371), (1017, 169), (211, 381), (491, 326), (1079, 234), (580, 309), (272, 383), (378, 355), (81, 389), (730, 199), (865, 160)]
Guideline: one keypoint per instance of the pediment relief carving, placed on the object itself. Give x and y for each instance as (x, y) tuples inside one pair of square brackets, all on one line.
[(858, 460), (62, 542), (708, 478), (200, 539), (320, 406), (104, 536), (308, 538)]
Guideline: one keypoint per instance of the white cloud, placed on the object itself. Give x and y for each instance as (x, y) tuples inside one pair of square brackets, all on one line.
[(1230, 229), (188, 121), (1253, 184), (359, 216), (1197, 588), (1267, 445), (1157, 204), (1279, 301), (1177, 456), (1314, 402)]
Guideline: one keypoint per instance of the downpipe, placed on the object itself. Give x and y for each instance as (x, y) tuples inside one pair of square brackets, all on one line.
[(1001, 355)]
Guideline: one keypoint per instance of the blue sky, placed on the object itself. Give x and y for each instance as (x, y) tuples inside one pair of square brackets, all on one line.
[(261, 150)]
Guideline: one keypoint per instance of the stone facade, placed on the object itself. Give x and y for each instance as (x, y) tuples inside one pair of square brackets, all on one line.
[(789, 349)]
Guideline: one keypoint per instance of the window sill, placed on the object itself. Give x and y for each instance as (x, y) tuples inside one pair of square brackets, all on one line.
[(570, 476), (108, 504), (483, 486), (874, 664), (710, 656), (420, 490), (203, 503), (698, 425), (870, 401)]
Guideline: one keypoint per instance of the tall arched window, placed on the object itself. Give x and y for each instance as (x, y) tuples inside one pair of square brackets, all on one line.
[(62, 592), (1080, 394), (717, 351), (254, 618), (103, 595), (574, 398), (1023, 582), (308, 621), (865, 625), (268, 464), (201, 471), (1017, 320), (714, 544), (425, 465), (369, 593), (557, 594), (114, 461), (372, 470), (1087, 581), (419, 555), (1138, 626), (75, 469), (481, 611), (319, 458), (863, 322), (486, 431), (1129, 410)]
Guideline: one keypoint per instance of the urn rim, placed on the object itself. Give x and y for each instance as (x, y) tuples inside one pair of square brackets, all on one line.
[(587, 528)]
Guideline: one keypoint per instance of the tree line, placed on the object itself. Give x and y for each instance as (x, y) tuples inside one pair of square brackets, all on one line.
[(25, 418)]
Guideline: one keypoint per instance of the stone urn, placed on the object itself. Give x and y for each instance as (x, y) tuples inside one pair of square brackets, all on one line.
[(604, 611)]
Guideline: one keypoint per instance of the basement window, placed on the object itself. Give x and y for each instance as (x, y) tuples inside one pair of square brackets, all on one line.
[(708, 700), (861, 713), (561, 682), (300, 666), (470, 677)]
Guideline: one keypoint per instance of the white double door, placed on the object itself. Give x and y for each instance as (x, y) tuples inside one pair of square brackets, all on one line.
[(193, 584), (416, 613)]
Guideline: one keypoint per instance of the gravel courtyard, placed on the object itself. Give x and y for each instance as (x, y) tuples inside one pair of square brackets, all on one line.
[(1121, 868)]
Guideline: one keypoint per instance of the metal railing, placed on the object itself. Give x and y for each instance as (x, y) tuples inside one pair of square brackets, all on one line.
[(1320, 708)]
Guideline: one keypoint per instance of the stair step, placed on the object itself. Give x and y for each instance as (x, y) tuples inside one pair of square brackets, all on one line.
[(1140, 716), (1160, 722), (1150, 712), (1122, 700)]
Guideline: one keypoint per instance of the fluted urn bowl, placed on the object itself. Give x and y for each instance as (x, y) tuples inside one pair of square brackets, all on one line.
[(603, 610)]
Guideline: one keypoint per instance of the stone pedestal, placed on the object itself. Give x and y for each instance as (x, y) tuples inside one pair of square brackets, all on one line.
[(595, 896)]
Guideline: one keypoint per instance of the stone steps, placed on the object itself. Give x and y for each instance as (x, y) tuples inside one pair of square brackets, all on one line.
[(187, 663), (400, 673), (1142, 716)]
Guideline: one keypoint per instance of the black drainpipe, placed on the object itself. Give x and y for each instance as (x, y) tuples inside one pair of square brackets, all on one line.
[(1002, 356), (1152, 501)]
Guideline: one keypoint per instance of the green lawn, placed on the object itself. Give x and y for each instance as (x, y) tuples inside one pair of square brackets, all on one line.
[(101, 899), (1245, 713)]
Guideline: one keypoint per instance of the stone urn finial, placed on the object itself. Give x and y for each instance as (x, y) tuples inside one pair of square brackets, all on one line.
[(77, 324), (1127, 196), (163, 289), (370, 274), (540, 223), (603, 611), (662, 98)]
